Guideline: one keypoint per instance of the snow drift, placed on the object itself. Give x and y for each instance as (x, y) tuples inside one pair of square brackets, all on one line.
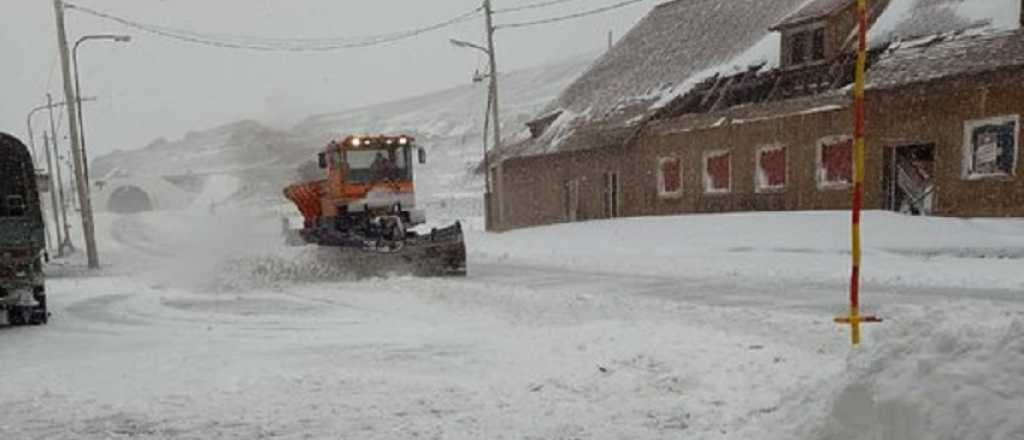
[(934, 378)]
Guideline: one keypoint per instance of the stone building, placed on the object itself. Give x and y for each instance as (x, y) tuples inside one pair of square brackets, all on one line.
[(745, 107)]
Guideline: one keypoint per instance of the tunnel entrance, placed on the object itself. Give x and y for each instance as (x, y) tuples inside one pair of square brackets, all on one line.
[(129, 200)]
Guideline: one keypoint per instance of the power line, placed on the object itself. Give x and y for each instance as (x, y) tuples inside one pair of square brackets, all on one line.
[(569, 17), (275, 44), (537, 5)]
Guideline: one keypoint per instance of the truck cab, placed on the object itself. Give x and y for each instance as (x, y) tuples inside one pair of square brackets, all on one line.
[(22, 237)]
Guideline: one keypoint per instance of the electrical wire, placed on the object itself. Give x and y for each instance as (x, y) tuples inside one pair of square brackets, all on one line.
[(568, 17), (275, 44), (528, 7)]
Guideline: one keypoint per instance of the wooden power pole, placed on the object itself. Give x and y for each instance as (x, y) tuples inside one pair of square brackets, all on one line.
[(493, 102), (88, 228)]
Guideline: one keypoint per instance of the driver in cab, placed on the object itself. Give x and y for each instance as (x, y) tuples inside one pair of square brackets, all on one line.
[(383, 168)]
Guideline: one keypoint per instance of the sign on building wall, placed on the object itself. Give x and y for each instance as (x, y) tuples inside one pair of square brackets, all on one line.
[(718, 172), (991, 147), (835, 162), (771, 168)]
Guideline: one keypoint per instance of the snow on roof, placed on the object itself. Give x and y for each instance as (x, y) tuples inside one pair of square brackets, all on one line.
[(674, 47), (928, 60), (813, 10), (677, 40), (907, 19), (683, 42)]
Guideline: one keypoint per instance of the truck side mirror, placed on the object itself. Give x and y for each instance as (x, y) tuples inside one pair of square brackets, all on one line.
[(423, 156), (322, 160)]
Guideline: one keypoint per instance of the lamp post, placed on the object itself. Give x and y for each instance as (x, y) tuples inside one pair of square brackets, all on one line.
[(32, 113), (491, 113), (49, 168), (78, 92)]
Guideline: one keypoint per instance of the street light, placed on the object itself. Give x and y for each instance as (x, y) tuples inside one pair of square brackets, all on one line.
[(468, 45), (49, 167), (31, 113), (78, 93), (491, 112)]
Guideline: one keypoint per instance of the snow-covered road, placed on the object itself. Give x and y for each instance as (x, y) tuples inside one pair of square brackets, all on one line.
[(200, 333)]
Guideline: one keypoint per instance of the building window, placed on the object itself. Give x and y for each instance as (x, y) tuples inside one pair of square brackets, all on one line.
[(717, 172), (571, 200), (798, 48), (991, 147), (771, 168), (818, 44), (670, 177), (835, 162), (612, 195)]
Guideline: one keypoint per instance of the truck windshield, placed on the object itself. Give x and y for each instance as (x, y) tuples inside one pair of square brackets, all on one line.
[(367, 166)]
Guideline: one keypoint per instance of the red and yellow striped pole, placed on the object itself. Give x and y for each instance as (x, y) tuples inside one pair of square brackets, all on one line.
[(855, 319)]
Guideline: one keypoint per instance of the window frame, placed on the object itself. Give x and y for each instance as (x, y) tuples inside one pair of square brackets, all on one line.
[(970, 125), (814, 48), (759, 184), (662, 183), (707, 182), (819, 168), (798, 37)]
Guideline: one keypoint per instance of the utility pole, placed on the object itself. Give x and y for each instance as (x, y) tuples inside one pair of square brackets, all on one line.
[(489, 12), (88, 229), (55, 185), (66, 242), (494, 72)]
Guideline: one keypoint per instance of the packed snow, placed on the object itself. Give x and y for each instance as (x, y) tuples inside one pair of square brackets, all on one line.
[(203, 325)]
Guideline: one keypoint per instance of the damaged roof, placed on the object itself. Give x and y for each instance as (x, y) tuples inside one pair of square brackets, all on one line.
[(936, 58), (683, 42), (677, 42)]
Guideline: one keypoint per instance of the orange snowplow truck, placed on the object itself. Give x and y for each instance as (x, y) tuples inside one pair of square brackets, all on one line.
[(367, 205)]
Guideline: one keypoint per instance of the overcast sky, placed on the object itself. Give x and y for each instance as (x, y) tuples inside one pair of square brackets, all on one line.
[(154, 87)]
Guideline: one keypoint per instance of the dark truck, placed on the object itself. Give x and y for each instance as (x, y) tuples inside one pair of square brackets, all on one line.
[(22, 237)]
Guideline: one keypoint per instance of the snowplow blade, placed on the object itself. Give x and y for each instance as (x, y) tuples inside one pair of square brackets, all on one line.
[(439, 253), (442, 252)]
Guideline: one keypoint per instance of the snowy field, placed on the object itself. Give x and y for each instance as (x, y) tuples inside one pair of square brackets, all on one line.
[(202, 326)]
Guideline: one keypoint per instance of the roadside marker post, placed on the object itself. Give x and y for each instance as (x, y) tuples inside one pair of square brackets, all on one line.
[(854, 320)]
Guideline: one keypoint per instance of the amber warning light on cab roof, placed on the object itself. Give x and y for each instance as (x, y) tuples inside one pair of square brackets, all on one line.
[(376, 141)]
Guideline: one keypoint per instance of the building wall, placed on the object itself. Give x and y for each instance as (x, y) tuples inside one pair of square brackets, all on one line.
[(936, 113), (532, 188), (799, 134)]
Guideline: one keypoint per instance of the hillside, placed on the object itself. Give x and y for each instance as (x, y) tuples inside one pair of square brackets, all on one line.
[(448, 123)]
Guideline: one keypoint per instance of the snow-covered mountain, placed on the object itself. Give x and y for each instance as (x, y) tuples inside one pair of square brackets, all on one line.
[(448, 123)]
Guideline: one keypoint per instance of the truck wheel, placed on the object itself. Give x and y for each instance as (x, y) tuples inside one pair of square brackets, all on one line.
[(16, 316), (39, 314)]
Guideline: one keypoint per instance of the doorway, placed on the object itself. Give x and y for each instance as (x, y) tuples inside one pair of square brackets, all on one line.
[(909, 179)]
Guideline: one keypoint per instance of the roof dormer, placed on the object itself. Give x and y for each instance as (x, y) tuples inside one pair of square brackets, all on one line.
[(816, 33)]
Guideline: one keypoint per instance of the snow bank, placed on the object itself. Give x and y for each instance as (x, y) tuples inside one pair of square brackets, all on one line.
[(934, 378), (794, 246)]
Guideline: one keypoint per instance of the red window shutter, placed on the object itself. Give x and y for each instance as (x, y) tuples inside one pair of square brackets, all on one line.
[(670, 175), (719, 172), (773, 166), (837, 161)]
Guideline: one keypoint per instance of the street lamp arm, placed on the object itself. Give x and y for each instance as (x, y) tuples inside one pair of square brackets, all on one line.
[(468, 45), (117, 38)]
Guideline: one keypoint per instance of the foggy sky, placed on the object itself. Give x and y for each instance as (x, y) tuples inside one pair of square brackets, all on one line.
[(154, 87)]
